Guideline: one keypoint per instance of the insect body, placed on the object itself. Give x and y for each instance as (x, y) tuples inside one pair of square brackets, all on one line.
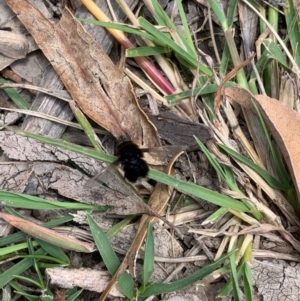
[(131, 158)]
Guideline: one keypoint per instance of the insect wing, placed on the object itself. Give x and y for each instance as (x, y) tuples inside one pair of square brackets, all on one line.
[(102, 177), (163, 154)]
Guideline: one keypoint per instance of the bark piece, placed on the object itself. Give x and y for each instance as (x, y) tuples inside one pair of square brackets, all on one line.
[(275, 281), (68, 182), (49, 105), (85, 278), (179, 131)]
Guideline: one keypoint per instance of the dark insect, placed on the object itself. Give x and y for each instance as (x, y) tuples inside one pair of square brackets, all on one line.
[(131, 158)]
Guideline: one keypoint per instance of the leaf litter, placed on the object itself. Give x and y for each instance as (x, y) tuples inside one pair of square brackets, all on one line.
[(100, 101)]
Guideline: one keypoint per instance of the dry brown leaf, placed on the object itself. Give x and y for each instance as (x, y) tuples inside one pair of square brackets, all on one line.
[(99, 88), (47, 235), (13, 45), (283, 124)]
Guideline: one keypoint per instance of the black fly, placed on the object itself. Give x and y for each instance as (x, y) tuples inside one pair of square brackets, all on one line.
[(131, 158)]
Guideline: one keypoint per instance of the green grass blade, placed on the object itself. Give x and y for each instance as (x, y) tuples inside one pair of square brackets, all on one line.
[(19, 101), (164, 20), (16, 247), (231, 12), (73, 295), (54, 251), (228, 287), (293, 28), (66, 145), (234, 276), (17, 269), (55, 260), (88, 129), (248, 286), (35, 265), (262, 172), (30, 281), (225, 172), (161, 288), (128, 29), (19, 200), (146, 51), (218, 10), (159, 14), (284, 177), (125, 282), (272, 51), (199, 191), (20, 291), (119, 226), (188, 58), (208, 89), (188, 36), (148, 266), (215, 164), (216, 216)]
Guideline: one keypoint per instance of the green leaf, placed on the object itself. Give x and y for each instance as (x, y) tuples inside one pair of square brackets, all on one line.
[(217, 8), (218, 168), (86, 126), (293, 27), (125, 281), (20, 200), (234, 276), (160, 15), (275, 156), (16, 247), (208, 89), (148, 267), (146, 51), (162, 288), (73, 294), (19, 101), (248, 287), (128, 29), (187, 58), (17, 269), (54, 251), (228, 287), (262, 172), (30, 281), (274, 51), (163, 19), (216, 216)]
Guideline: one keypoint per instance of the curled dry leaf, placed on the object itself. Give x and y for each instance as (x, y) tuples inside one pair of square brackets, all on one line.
[(283, 124), (47, 235), (99, 88)]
